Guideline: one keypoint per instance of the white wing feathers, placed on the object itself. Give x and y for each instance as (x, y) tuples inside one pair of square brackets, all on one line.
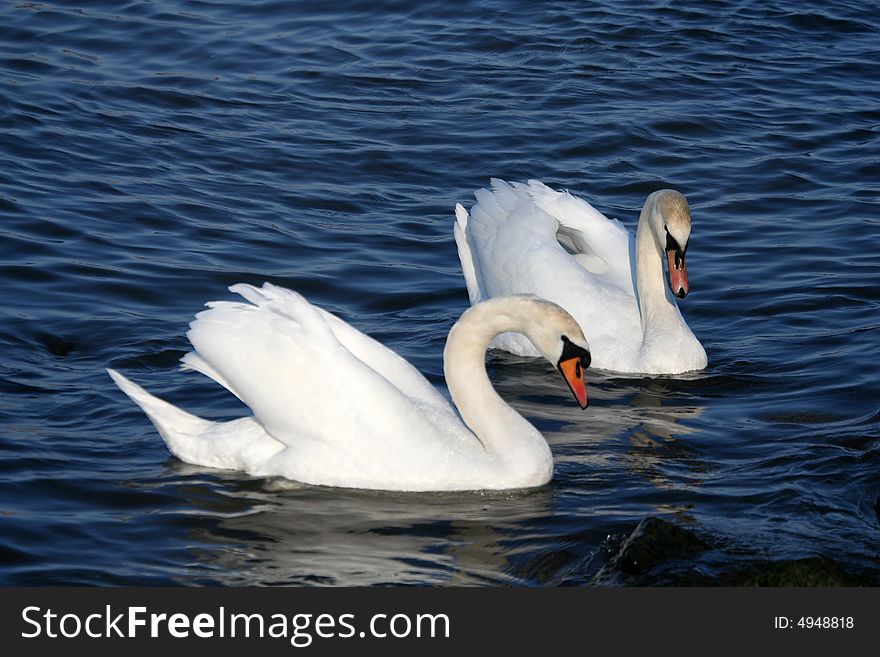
[(295, 365), (514, 222), (385, 362), (471, 276)]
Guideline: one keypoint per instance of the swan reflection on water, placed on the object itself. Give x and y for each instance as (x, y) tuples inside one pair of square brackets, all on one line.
[(273, 531), (289, 533)]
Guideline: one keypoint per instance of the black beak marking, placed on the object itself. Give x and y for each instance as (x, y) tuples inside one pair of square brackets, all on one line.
[(571, 350), (672, 245), (678, 260)]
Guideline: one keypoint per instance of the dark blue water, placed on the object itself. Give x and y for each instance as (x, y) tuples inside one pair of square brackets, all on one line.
[(153, 153)]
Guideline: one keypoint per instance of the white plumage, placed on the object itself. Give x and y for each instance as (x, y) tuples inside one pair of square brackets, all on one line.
[(334, 407), (528, 238)]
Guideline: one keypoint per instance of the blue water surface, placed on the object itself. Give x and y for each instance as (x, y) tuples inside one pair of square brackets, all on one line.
[(151, 154)]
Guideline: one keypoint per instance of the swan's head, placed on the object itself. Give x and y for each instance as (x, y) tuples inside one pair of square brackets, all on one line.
[(560, 339), (671, 222), (551, 329), (572, 362)]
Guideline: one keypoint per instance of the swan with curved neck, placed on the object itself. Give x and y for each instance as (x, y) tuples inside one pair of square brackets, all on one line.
[(528, 238), (333, 407)]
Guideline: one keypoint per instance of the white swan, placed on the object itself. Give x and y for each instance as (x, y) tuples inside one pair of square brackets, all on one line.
[(334, 407), (527, 238)]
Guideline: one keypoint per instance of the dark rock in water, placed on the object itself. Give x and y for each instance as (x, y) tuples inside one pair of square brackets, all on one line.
[(660, 553), (812, 571), (652, 543)]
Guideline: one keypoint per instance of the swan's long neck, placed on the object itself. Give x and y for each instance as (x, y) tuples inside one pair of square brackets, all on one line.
[(658, 310), (504, 433)]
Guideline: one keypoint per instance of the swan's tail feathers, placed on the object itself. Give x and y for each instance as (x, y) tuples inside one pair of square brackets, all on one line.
[(241, 444), (177, 427), (471, 277)]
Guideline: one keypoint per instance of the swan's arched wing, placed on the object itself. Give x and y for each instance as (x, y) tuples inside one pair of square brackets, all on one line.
[(390, 366), (514, 234), (599, 244), (306, 374)]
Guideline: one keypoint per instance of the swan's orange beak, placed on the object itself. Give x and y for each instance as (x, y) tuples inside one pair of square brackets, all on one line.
[(678, 273), (573, 373)]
